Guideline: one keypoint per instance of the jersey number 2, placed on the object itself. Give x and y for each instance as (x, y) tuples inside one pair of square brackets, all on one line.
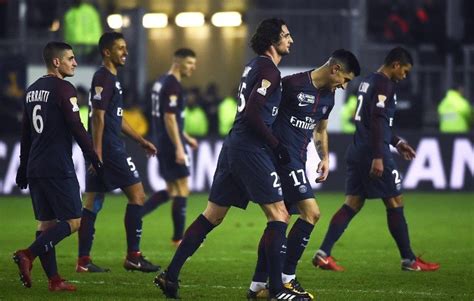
[(360, 100)]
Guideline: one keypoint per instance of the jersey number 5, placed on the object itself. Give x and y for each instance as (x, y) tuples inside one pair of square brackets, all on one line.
[(37, 119), (241, 106)]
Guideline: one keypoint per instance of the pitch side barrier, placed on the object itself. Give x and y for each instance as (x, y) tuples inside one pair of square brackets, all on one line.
[(443, 163)]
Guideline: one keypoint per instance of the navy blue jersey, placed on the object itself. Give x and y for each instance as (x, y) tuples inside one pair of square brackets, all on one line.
[(50, 121), (106, 95), (259, 98), (302, 107), (167, 97), (376, 104)]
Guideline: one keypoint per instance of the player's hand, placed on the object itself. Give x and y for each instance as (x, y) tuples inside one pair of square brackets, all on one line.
[(149, 148), (181, 156), (405, 150), (192, 142), (281, 154), (21, 179), (376, 170), (323, 169)]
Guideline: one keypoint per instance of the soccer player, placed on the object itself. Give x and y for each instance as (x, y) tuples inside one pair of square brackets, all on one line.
[(50, 121), (245, 170), (106, 125), (371, 169), (168, 125), (307, 100)]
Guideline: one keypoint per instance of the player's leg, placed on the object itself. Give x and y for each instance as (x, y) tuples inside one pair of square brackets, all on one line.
[(275, 243), (399, 229), (298, 238), (92, 204), (212, 216), (133, 229), (337, 226), (178, 209), (157, 199)]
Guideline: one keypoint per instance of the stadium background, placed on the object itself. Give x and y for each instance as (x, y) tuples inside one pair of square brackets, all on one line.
[(439, 34)]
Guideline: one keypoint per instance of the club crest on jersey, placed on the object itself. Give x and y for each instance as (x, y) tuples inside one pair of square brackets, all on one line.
[(305, 99), (263, 89), (173, 100), (381, 102), (117, 85), (73, 101), (98, 91)]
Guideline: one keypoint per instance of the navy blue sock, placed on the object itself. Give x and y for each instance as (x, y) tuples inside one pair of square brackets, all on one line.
[(179, 216), (275, 249), (156, 200), (298, 239), (48, 239), (338, 224), (48, 260), (194, 236), (133, 226), (399, 229), (261, 271), (86, 232)]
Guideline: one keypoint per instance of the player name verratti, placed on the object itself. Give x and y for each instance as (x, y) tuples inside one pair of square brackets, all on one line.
[(37, 95)]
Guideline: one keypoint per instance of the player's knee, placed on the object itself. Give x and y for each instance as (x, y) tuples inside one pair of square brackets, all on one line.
[(138, 199), (45, 225), (74, 224), (98, 202), (311, 217)]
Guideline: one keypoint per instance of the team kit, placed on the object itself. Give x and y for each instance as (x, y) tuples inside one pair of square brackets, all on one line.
[(262, 160)]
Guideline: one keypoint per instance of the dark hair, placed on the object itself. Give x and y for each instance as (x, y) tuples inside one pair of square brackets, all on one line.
[(107, 40), (267, 33), (184, 52), (398, 54), (53, 50), (347, 59)]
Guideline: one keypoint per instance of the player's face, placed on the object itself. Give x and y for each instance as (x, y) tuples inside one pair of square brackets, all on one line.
[(66, 64), (400, 71), (339, 78), (283, 45), (187, 66), (119, 52)]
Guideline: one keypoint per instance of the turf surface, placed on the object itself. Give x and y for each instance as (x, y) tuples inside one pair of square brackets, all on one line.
[(441, 228)]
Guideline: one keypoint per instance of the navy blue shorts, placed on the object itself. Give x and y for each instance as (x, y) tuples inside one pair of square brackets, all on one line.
[(55, 198), (358, 181), (295, 184), (242, 176), (168, 168), (119, 171)]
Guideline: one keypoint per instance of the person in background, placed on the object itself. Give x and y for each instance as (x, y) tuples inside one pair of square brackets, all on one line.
[(196, 123), (455, 112)]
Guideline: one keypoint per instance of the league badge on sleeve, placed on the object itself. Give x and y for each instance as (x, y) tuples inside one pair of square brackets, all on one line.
[(263, 89), (381, 102), (173, 100), (98, 91), (73, 101)]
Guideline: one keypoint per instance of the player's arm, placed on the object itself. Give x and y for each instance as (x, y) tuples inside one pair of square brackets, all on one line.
[(191, 140), (266, 83), (403, 148), (21, 175), (378, 118), (320, 137), (98, 124), (149, 147), (172, 129), (70, 111)]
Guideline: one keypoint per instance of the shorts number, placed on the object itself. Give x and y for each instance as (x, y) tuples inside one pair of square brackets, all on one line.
[(360, 98), (276, 182), (37, 119), (131, 164), (295, 177), (241, 106), (397, 176)]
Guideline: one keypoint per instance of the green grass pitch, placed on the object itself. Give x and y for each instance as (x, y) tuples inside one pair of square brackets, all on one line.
[(441, 227)]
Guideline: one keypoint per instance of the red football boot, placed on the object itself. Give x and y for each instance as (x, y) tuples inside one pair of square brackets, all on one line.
[(57, 284), (419, 265), (326, 263), (25, 263)]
